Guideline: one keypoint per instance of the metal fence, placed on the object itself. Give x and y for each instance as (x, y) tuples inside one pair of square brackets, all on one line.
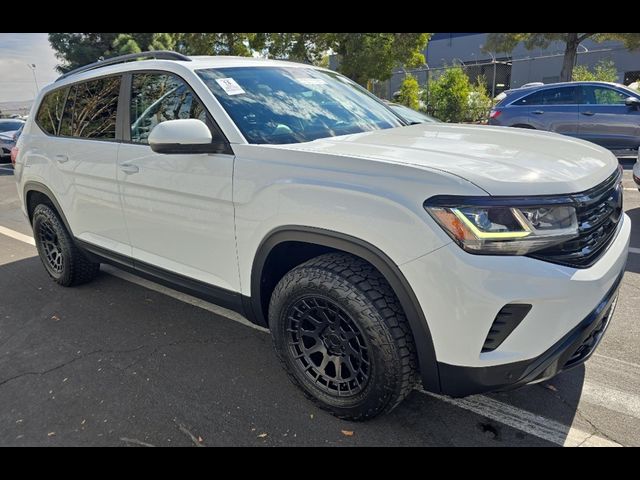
[(495, 75), (503, 73)]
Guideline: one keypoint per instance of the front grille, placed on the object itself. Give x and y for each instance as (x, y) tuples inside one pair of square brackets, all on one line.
[(599, 211)]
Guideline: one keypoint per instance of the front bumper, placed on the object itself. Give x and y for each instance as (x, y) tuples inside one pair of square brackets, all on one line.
[(570, 351), (636, 171), (461, 294)]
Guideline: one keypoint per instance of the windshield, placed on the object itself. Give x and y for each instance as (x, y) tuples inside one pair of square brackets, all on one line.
[(10, 126), (295, 104)]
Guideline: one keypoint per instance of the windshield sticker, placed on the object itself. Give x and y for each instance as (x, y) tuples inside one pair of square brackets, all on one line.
[(230, 86)]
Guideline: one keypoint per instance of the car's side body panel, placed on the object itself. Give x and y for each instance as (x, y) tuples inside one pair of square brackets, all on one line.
[(356, 197), (612, 126), (179, 212)]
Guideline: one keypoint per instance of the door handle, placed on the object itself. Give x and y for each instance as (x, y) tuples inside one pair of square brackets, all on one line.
[(61, 158), (538, 112), (588, 114), (128, 168)]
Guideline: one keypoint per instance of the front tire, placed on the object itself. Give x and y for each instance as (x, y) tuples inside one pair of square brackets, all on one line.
[(61, 258), (342, 336)]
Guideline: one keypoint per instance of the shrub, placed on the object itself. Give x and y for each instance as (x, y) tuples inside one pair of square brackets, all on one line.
[(410, 92), (603, 71), (452, 97), (448, 94), (479, 101)]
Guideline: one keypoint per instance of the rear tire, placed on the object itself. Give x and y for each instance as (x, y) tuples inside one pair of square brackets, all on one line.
[(342, 336), (62, 259)]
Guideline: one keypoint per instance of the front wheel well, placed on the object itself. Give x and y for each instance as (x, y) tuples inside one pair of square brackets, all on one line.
[(283, 258), (290, 246)]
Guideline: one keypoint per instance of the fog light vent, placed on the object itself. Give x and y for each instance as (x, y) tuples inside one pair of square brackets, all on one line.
[(508, 318)]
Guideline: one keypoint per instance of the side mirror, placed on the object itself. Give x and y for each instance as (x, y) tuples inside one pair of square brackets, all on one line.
[(183, 136), (632, 102)]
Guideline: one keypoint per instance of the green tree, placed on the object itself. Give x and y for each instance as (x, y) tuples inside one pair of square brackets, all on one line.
[(448, 95), (604, 71), (410, 92), (240, 44), (373, 56), (162, 41), (362, 56), (77, 49), (506, 42), (125, 43), (301, 47)]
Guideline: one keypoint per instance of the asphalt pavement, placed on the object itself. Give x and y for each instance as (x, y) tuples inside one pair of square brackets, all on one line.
[(123, 361)]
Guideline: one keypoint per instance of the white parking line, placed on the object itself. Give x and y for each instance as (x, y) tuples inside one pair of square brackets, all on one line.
[(634, 250), (17, 235), (8, 169), (527, 422), (506, 414), (623, 362), (611, 398)]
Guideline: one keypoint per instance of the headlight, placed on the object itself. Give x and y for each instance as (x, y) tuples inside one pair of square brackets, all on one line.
[(502, 226)]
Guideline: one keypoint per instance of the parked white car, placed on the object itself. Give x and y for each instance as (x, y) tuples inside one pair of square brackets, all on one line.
[(381, 255)]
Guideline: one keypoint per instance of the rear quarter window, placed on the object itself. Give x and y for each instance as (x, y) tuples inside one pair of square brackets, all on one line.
[(50, 111)]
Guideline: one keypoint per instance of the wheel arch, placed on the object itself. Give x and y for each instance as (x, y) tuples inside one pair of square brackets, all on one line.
[(327, 240), (34, 190)]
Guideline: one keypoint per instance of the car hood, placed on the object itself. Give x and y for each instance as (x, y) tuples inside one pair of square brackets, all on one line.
[(500, 160)]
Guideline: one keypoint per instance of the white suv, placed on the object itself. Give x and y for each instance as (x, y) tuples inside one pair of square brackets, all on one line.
[(380, 254)]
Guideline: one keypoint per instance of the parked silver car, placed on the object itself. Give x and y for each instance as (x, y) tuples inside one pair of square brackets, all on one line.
[(604, 113)]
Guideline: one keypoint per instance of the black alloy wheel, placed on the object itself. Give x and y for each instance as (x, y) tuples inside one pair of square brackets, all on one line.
[(328, 345)]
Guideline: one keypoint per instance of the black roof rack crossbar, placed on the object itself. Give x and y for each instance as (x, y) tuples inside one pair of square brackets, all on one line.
[(157, 54)]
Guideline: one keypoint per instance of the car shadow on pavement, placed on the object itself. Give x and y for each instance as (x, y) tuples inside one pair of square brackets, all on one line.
[(113, 363)]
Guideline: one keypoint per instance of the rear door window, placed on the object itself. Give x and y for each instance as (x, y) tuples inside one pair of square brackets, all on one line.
[(551, 96), (91, 109)]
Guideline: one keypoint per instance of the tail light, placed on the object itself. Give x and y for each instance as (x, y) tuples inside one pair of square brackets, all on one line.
[(14, 155), (495, 113)]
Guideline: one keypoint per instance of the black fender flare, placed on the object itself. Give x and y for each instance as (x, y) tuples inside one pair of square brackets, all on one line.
[(33, 186), (422, 336)]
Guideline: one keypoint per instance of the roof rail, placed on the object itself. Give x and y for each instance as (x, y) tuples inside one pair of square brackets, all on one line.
[(157, 54)]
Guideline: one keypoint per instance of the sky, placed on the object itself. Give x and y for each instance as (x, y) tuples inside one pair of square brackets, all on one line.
[(17, 50)]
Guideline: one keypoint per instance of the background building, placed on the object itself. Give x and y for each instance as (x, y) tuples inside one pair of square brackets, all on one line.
[(521, 66)]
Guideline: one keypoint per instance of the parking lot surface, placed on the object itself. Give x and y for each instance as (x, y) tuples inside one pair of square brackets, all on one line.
[(123, 361)]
